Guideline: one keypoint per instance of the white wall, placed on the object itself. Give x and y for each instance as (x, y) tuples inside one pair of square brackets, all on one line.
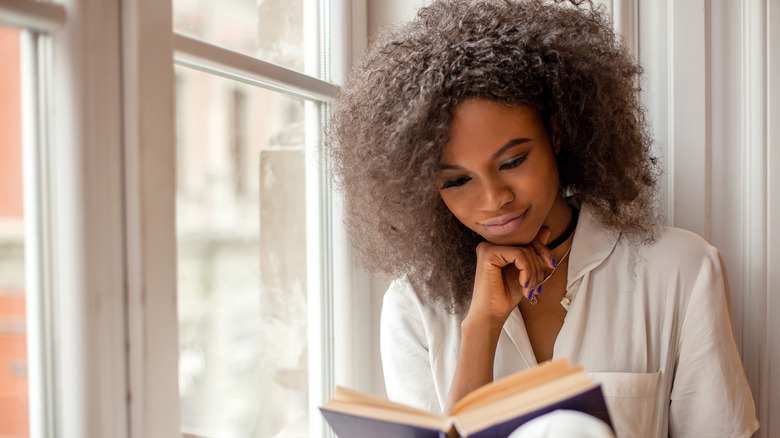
[(706, 91), (384, 12), (771, 352), (712, 103)]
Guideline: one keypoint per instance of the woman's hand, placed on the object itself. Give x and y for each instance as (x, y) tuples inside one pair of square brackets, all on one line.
[(504, 275)]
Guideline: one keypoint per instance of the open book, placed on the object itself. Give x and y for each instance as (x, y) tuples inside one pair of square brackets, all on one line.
[(493, 410)]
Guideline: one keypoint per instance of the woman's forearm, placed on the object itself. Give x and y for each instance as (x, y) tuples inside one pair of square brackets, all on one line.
[(475, 359)]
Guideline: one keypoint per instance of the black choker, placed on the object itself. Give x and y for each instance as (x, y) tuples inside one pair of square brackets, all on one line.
[(566, 234)]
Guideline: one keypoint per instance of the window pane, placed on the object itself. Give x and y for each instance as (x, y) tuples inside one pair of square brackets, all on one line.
[(13, 346), (241, 259), (272, 30)]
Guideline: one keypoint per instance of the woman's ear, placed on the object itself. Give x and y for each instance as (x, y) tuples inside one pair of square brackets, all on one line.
[(555, 138)]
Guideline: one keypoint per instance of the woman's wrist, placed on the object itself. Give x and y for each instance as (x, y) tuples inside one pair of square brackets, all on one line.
[(481, 330)]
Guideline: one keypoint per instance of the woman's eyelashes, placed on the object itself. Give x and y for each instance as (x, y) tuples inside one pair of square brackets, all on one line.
[(514, 162), (456, 182), (507, 165)]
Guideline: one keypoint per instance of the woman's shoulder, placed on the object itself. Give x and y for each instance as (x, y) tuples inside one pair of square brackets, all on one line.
[(403, 298), (672, 238), (401, 292), (677, 250), (667, 249)]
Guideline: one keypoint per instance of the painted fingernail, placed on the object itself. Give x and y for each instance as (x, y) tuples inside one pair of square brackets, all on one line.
[(530, 294), (539, 290), (526, 284), (555, 264)]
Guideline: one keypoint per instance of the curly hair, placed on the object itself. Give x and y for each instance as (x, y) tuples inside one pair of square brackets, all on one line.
[(392, 118)]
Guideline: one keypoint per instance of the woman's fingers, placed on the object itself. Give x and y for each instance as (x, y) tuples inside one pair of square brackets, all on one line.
[(540, 246), (491, 261), (531, 262), (535, 269)]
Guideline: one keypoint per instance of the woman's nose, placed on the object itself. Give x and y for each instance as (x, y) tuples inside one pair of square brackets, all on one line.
[(496, 195)]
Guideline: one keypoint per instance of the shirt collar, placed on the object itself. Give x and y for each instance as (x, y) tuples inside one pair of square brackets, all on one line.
[(592, 244)]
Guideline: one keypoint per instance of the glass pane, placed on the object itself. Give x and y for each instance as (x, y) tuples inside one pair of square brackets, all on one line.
[(13, 342), (272, 30), (241, 259)]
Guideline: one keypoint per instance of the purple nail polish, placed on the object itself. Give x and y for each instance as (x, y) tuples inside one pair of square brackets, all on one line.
[(526, 283), (555, 264), (530, 294), (539, 290)]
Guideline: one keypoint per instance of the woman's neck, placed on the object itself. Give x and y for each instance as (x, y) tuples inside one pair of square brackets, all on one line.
[(558, 220)]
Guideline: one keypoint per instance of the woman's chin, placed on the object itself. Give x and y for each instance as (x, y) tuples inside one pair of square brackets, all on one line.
[(508, 240)]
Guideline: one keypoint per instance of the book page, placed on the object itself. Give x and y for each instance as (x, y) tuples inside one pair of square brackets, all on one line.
[(514, 383), (353, 396), (429, 420), (519, 404)]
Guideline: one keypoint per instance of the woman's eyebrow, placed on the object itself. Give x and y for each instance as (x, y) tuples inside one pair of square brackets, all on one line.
[(511, 143), (450, 167)]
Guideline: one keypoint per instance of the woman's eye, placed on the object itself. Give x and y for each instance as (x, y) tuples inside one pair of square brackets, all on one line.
[(457, 182), (511, 164)]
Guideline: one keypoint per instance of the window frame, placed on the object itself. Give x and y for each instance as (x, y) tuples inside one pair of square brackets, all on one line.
[(216, 60), (74, 248)]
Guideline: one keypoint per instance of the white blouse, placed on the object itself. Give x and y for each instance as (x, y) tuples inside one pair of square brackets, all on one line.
[(650, 322)]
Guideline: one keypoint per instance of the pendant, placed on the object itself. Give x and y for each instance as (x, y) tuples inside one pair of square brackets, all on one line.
[(533, 299)]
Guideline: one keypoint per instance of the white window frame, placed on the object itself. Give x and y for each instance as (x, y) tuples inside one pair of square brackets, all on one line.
[(103, 185), (73, 196)]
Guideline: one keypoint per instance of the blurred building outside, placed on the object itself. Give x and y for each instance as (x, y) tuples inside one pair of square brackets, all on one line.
[(13, 341)]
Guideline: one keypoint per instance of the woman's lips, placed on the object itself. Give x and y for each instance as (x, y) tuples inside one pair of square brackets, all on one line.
[(504, 224)]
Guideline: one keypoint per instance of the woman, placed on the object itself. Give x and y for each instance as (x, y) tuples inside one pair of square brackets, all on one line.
[(494, 157)]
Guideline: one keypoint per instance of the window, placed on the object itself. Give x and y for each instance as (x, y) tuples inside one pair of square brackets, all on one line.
[(25, 305), (13, 329), (122, 201), (251, 217), (241, 226), (271, 30)]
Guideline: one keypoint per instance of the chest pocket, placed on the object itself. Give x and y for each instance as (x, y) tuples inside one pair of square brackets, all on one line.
[(632, 402)]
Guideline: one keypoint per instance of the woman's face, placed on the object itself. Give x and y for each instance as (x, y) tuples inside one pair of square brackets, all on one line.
[(498, 173)]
